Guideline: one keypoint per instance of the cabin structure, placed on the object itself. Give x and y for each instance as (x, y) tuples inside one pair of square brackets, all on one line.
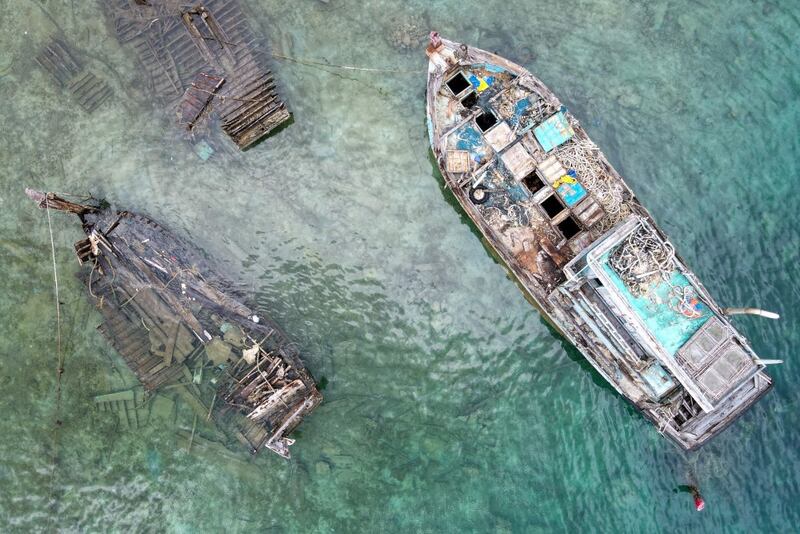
[(582, 246), (177, 323), (667, 334), (203, 62)]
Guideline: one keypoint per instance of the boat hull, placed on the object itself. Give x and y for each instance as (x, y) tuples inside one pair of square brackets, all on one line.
[(467, 92)]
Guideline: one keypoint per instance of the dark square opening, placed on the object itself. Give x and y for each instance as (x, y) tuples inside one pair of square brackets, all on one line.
[(532, 182), (595, 282), (569, 227), (470, 100), (458, 83), (486, 120), (552, 206)]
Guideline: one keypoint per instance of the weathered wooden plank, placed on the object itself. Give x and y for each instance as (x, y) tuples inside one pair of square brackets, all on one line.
[(205, 37)]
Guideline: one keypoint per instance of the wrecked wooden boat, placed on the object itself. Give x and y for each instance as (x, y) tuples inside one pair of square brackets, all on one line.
[(203, 61), (176, 322), (583, 248)]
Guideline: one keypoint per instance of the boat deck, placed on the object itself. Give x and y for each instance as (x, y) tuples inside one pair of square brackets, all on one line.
[(532, 186)]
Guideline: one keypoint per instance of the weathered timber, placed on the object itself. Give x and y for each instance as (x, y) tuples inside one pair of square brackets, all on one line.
[(176, 322), (128, 405), (62, 63), (583, 248), (197, 98), (203, 61)]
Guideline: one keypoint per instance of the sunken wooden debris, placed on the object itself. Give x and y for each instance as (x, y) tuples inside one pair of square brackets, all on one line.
[(190, 50), (197, 98), (126, 404), (62, 62), (176, 322)]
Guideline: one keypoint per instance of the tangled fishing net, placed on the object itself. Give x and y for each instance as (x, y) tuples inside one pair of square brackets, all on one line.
[(683, 300), (503, 212), (642, 260), (537, 111)]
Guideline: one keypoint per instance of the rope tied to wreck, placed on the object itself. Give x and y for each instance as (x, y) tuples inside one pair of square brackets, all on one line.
[(347, 67), (59, 359)]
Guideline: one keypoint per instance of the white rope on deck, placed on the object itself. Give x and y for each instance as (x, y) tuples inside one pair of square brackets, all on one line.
[(583, 156), (643, 259)]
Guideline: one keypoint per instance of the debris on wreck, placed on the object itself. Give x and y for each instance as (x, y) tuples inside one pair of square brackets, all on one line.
[(177, 323), (203, 62), (64, 65)]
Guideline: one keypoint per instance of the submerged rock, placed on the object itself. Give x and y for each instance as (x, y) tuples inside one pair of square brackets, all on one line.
[(408, 32)]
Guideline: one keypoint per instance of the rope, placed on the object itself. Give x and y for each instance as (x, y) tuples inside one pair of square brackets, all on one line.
[(58, 302), (643, 259), (583, 156), (682, 300), (59, 355), (346, 67)]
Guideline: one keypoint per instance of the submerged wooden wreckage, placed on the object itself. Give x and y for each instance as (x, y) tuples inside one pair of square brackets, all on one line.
[(174, 321), (583, 247), (203, 61), (66, 68)]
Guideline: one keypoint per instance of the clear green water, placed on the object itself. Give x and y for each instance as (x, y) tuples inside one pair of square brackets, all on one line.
[(450, 405)]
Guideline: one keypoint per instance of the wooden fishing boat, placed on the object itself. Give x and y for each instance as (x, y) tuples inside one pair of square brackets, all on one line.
[(584, 249), (177, 323)]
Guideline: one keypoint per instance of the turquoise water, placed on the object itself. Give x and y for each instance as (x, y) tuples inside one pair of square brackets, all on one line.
[(450, 405)]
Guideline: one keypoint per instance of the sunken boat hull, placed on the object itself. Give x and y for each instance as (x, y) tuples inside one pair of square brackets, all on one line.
[(583, 248), (203, 61), (177, 323)]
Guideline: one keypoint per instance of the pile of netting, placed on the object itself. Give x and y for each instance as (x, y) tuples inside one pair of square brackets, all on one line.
[(642, 260), (683, 300), (537, 111), (583, 156), (505, 213)]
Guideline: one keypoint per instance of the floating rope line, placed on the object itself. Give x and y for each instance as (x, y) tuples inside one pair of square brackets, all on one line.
[(346, 67), (59, 356)]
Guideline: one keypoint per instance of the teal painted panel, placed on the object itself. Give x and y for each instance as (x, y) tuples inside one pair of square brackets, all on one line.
[(554, 132), (670, 328)]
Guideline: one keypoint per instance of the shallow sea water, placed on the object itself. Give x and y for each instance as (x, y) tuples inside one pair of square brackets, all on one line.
[(450, 405)]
